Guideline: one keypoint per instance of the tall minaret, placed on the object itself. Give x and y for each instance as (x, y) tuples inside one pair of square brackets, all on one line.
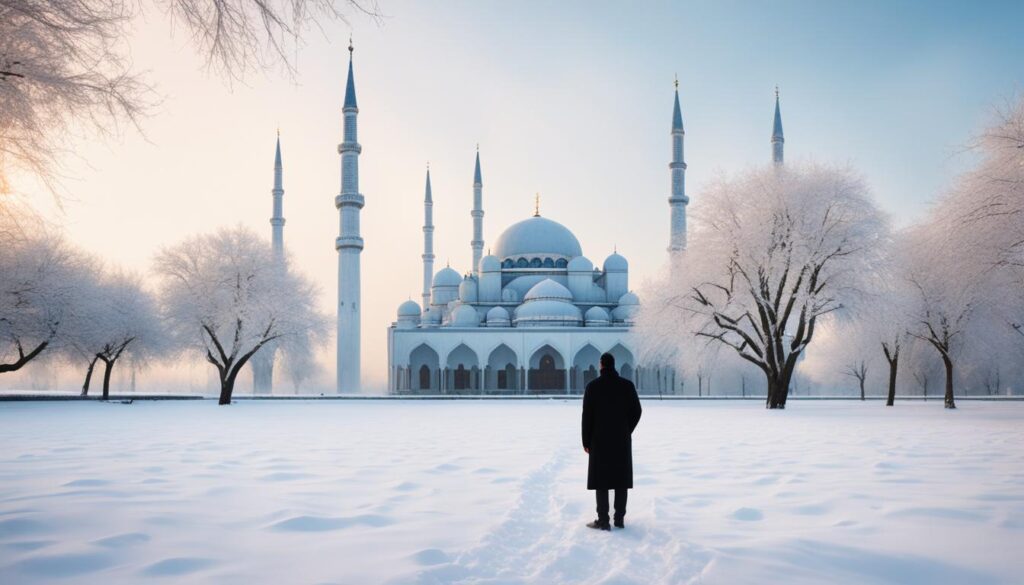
[(262, 362), (478, 215), (428, 242), (277, 220), (349, 244), (678, 199), (777, 138)]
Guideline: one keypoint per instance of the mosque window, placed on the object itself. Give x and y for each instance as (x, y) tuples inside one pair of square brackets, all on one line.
[(507, 263), (522, 263), (535, 263), (549, 263), (561, 263)]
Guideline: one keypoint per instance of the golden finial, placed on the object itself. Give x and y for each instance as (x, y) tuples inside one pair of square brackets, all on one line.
[(776, 92), (428, 165), (536, 205), (677, 82), (478, 147), (350, 47)]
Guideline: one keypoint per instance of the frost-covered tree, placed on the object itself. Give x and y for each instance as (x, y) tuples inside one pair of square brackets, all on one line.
[(225, 297), (65, 67), (40, 276), (119, 319), (772, 252)]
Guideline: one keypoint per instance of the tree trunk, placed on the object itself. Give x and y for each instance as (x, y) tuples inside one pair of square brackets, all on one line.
[(949, 381), (778, 391), (893, 364), (88, 377), (861, 381), (109, 367)]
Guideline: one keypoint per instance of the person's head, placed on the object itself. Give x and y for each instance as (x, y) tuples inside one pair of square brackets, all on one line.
[(607, 361)]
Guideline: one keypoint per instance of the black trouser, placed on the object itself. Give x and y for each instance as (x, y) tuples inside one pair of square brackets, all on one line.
[(620, 504)]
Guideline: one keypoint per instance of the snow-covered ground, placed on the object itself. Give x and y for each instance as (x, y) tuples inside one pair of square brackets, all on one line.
[(493, 492)]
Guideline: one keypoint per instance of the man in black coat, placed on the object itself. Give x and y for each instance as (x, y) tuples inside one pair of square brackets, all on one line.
[(611, 410)]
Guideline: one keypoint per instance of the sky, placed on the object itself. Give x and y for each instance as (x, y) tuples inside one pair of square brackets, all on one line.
[(571, 100)]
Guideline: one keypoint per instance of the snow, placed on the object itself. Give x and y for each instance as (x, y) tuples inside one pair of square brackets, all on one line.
[(493, 492)]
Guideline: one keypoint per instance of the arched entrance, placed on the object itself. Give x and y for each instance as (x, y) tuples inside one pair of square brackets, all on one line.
[(547, 371), (463, 371), (624, 361), (423, 363), (584, 367), (502, 368)]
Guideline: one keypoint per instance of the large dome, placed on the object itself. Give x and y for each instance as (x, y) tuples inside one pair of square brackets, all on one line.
[(537, 236)]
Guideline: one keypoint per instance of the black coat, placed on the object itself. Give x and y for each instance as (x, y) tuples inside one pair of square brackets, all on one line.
[(611, 410)]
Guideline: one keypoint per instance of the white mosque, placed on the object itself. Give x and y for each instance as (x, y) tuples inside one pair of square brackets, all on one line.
[(532, 316)]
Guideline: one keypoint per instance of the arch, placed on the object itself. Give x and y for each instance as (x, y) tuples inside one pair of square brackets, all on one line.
[(585, 366), (561, 263), (507, 263), (547, 370), (502, 364), (549, 263), (624, 361), (424, 356), (536, 263), (522, 263), (464, 369)]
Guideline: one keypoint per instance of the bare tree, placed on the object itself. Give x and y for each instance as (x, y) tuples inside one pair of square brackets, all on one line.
[(65, 67), (772, 252), (858, 369), (225, 297)]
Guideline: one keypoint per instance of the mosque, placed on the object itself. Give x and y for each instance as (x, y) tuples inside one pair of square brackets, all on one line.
[(532, 316)]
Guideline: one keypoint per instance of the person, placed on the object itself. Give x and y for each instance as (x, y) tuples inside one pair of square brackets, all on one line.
[(611, 411)]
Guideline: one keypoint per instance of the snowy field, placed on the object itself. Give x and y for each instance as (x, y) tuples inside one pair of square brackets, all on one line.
[(493, 492)]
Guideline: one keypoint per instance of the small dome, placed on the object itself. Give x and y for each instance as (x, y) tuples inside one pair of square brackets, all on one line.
[(580, 264), (432, 316), (490, 264), (596, 316), (409, 308), (629, 298), (547, 313), (537, 237), (468, 290), (498, 316), (616, 263), (465, 316), (548, 289), (447, 277)]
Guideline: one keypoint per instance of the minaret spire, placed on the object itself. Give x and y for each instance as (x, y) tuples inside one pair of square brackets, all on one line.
[(677, 200), (349, 243), (428, 242), (777, 138), (277, 219), (478, 215)]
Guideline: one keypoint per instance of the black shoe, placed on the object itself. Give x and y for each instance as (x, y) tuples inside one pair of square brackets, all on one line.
[(599, 525), (619, 523)]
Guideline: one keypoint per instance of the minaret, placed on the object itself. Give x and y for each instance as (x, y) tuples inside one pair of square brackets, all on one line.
[(478, 215), (677, 200), (777, 138), (262, 362), (349, 244), (277, 219), (428, 243)]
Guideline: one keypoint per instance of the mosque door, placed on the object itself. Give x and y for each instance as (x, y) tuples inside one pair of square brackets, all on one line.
[(424, 377), (462, 378), (546, 376)]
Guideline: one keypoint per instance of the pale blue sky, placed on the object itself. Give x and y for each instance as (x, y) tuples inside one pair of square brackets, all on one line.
[(571, 99)]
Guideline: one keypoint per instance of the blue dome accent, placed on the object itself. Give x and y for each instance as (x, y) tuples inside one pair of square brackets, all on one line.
[(616, 263), (677, 115), (350, 87), (537, 237)]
